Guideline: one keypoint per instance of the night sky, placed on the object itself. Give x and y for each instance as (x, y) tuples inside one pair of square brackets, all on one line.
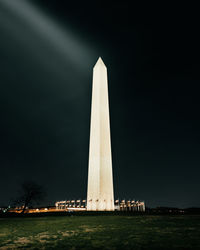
[(47, 51)]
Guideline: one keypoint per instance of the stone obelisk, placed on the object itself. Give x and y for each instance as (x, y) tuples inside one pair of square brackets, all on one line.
[(100, 178)]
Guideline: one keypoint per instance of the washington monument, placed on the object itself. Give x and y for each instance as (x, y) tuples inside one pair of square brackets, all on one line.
[(100, 178)]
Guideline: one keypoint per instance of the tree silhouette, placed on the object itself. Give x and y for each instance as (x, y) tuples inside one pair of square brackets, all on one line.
[(30, 193)]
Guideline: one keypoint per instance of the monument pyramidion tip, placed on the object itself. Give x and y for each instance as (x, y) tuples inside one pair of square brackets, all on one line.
[(99, 63)]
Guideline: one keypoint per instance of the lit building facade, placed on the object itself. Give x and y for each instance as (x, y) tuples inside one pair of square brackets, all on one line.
[(119, 205)]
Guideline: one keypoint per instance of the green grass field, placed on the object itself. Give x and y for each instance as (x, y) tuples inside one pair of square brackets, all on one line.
[(101, 232)]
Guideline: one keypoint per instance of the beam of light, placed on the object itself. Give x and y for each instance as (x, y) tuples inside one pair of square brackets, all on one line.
[(65, 43)]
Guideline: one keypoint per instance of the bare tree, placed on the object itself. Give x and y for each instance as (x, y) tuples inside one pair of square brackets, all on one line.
[(30, 193)]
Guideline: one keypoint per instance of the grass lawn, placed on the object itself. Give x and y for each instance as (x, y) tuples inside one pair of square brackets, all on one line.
[(101, 232)]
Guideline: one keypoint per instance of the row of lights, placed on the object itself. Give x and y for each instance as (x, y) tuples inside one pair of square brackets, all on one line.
[(116, 201), (122, 203)]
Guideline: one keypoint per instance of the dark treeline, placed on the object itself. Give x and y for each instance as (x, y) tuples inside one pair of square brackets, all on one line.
[(149, 211)]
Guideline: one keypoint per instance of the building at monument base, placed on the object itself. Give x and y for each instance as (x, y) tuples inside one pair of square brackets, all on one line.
[(130, 205), (119, 205)]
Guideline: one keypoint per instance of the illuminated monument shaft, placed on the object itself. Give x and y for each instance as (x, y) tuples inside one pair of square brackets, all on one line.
[(100, 179)]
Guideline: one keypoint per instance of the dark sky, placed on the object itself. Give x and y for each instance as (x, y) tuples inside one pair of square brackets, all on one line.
[(47, 51)]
